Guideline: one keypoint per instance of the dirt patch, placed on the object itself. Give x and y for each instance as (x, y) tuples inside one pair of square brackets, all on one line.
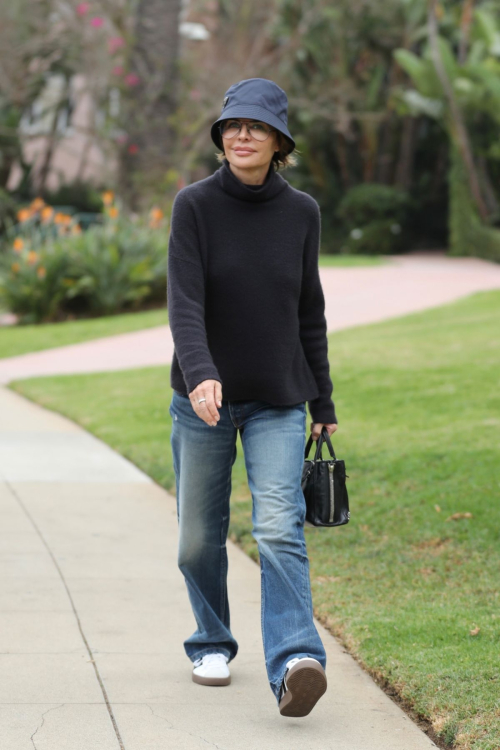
[(434, 546)]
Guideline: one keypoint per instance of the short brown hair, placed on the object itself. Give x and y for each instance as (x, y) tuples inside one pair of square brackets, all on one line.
[(281, 158)]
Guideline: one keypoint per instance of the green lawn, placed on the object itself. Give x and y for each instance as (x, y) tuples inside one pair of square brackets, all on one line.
[(404, 586), (352, 260)]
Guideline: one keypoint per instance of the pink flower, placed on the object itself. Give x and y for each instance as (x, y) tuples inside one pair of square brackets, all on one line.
[(133, 148), (82, 8), (97, 21), (131, 79), (117, 70), (114, 43)]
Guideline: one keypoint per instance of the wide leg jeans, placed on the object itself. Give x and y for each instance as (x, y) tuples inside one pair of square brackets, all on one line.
[(273, 440)]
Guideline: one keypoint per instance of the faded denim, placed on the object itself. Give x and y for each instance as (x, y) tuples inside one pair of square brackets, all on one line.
[(273, 439)]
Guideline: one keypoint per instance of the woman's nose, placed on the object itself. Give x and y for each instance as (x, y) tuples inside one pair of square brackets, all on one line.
[(244, 128)]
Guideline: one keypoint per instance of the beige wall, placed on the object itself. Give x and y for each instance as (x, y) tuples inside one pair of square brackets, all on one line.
[(77, 152)]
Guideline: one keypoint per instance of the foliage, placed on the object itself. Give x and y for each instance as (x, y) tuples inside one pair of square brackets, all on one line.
[(370, 202), (52, 269), (374, 218), (476, 88), (81, 195), (32, 282), (468, 234), (117, 267), (9, 140), (8, 207)]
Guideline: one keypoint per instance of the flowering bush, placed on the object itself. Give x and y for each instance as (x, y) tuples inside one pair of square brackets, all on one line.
[(51, 269), (32, 281)]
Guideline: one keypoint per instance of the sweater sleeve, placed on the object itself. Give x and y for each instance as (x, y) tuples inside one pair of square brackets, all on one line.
[(186, 296), (313, 327)]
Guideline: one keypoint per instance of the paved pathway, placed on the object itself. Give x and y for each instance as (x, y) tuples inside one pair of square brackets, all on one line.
[(353, 296), (93, 613)]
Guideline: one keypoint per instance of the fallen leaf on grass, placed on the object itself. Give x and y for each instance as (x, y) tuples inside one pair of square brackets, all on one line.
[(426, 571), (438, 509), (475, 631), (323, 579), (433, 545), (457, 516)]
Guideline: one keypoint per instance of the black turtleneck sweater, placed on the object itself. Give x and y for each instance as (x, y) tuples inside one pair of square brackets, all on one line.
[(244, 296)]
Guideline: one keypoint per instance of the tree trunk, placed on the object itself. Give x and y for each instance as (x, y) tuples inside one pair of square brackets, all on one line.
[(404, 168), (457, 122), (465, 24), (150, 147)]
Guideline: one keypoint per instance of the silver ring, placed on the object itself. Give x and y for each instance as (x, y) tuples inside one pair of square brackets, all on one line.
[(201, 399)]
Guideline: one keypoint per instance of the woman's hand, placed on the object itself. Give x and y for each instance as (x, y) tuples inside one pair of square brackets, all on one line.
[(316, 428), (211, 390)]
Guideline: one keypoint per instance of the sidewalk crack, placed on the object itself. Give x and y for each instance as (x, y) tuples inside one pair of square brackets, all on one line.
[(171, 726), (91, 659), (43, 721)]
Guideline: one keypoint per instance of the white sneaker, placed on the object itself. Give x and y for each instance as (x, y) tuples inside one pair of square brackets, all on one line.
[(303, 685), (212, 669)]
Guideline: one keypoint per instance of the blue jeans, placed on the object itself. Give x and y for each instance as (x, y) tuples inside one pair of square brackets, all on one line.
[(273, 439)]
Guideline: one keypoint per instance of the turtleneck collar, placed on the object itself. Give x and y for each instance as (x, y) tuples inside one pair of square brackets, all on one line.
[(272, 185)]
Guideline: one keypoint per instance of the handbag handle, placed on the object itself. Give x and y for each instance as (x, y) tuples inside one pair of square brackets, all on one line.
[(324, 437)]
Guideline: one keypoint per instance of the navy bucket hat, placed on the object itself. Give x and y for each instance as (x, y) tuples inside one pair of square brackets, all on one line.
[(257, 99)]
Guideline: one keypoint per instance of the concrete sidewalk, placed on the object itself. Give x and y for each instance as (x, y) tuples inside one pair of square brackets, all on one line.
[(94, 610), (353, 296)]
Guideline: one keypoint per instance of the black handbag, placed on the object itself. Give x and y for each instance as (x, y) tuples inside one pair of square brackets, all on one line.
[(324, 486)]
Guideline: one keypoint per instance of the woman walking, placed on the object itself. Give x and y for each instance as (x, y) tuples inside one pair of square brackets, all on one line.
[(246, 311)]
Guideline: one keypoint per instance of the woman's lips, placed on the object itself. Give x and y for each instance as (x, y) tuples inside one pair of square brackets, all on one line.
[(244, 151)]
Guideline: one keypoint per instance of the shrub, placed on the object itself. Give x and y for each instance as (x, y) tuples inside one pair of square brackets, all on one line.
[(374, 219), (32, 281), (382, 237), (8, 208), (118, 266), (51, 268), (468, 234), (83, 196)]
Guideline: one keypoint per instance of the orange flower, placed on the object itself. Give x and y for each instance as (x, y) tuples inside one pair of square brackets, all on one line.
[(41, 272), (156, 214), (61, 218), (18, 245), (108, 197), (15, 267), (23, 214), (113, 212), (76, 229), (37, 204), (46, 213), (32, 257)]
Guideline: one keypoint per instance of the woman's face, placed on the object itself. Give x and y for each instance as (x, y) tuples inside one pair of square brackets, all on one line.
[(243, 151)]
